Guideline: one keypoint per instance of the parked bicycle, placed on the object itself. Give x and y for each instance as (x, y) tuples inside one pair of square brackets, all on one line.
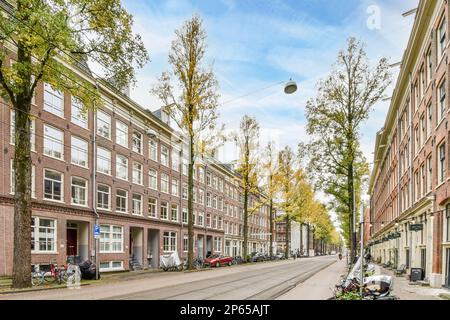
[(37, 276), (56, 273)]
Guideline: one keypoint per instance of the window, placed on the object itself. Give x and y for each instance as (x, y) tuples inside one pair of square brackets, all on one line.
[(53, 142), (214, 202), (152, 203), (137, 142), (217, 244), (121, 201), (153, 179), (103, 197), (43, 235), (429, 66), (121, 134), (79, 151), (417, 186), (423, 130), (201, 216), (170, 241), (185, 167), (163, 212), (441, 168), (214, 222), (201, 173), (185, 243), (442, 38), (221, 185), (429, 173), (174, 187), (214, 182), (53, 185), (164, 156), (32, 131), (208, 199), (33, 180), (103, 161), (208, 220), (447, 217), (137, 204), (208, 179), (79, 114), (423, 183), (153, 150), (201, 196), (137, 173), (111, 239), (422, 82), (122, 167), (429, 119), (111, 266), (79, 191), (174, 212), (164, 183), (53, 101), (221, 204), (442, 106), (103, 125), (185, 191), (416, 141), (175, 160), (184, 216)]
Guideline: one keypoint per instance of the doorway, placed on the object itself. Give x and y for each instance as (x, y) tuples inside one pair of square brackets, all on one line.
[(72, 242), (447, 277)]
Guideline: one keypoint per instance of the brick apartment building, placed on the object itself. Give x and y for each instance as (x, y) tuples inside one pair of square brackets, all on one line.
[(409, 187), (127, 165)]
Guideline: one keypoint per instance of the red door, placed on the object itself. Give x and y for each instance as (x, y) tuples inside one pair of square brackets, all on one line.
[(72, 243)]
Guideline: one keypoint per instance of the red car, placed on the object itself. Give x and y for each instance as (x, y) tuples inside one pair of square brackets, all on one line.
[(216, 260)]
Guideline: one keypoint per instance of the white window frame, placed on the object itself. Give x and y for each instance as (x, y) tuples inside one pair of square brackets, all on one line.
[(166, 207), (35, 231), (104, 159), (111, 239), (103, 122), (98, 198), (78, 117), (61, 182), (153, 150), (85, 188), (81, 152), (174, 207), (153, 179), (51, 140), (171, 238), (137, 140), (56, 105), (121, 133), (153, 207), (120, 165), (164, 156), (165, 182), (138, 178), (122, 197), (139, 202)]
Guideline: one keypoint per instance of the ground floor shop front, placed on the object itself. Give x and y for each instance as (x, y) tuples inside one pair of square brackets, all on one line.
[(124, 242), (420, 241)]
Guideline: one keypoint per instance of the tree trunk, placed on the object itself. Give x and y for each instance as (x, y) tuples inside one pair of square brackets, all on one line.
[(22, 180), (350, 188), (271, 228), (288, 229), (190, 205), (245, 223), (301, 239), (307, 239)]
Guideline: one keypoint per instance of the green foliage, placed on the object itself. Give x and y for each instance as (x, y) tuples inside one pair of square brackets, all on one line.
[(60, 35), (343, 103), (352, 295)]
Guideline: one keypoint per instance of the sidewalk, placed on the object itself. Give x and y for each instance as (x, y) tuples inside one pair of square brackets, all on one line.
[(320, 286), (405, 291)]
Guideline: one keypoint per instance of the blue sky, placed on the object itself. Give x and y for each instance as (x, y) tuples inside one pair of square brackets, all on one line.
[(256, 43)]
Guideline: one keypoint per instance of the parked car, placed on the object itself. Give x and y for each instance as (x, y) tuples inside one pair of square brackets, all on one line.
[(216, 260), (258, 257)]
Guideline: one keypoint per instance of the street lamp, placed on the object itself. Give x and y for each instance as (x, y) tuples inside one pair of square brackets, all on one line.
[(290, 87)]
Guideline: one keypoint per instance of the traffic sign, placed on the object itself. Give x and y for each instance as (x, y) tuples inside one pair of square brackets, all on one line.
[(96, 231)]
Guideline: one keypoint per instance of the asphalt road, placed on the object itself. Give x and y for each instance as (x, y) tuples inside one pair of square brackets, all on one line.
[(263, 281)]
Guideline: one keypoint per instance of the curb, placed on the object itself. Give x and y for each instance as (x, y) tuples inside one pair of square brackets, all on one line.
[(38, 289)]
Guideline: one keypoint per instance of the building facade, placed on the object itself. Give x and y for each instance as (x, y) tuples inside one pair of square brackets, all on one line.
[(126, 167), (410, 183)]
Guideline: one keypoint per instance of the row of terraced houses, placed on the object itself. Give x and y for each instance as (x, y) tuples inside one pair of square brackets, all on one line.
[(127, 165), (410, 183)]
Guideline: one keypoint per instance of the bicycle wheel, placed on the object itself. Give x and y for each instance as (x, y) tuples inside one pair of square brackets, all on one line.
[(37, 278), (62, 277), (49, 277)]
